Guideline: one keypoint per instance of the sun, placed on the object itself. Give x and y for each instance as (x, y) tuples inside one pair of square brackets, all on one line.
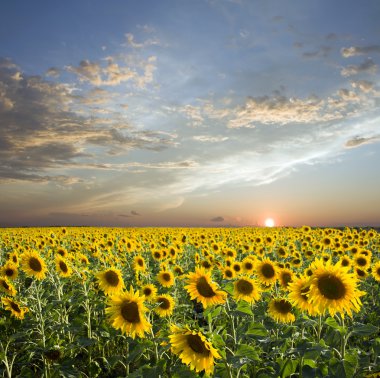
[(269, 222)]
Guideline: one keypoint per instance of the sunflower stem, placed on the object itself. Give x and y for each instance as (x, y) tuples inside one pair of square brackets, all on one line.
[(319, 327)]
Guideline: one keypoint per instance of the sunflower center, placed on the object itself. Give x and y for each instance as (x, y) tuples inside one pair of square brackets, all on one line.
[(35, 264), (9, 272), (331, 287), (197, 344), (130, 312), (267, 270), (361, 261), (204, 288), (166, 277), (345, 262), (304, 292), (244, 287), (63, 266), (378, 271), (286, 278), (206, 264), (283, 306), (165, 303), (140, 262), (15, 306), (248, 266), (5, 285), (112, 278), (147, 291), (228, 273), (237, 267)]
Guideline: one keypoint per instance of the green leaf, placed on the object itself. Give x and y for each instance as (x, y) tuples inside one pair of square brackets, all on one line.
[(247, 351), (257, 329), (229, 288), (331, 322), (364, 329), (244, 307), (288, 368), (309, 362), (85, 341)]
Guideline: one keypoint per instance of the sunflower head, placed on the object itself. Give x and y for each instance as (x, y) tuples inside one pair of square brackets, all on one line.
[(266, 271), (165, 305), (247, 289), (166, 278), (7, 288), (110, 281), (14, 307), (33, 265), (62, 266), (149, 291), (9, 270), (280, 309), (193, 348)]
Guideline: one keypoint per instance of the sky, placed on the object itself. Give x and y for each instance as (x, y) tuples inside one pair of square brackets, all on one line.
[(189, 113)]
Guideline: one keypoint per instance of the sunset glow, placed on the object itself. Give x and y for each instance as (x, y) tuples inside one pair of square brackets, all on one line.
[(269, 222)]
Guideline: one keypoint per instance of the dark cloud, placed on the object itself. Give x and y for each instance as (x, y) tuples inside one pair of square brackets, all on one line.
[(217, 219), (368, 66), (40, 133), (124, 215), (358, 141), (321, 52), (357, 50), (135, 213)]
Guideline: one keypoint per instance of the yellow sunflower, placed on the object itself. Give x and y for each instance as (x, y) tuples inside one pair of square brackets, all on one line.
[(14, 257), (166, 278), (201, 287), (9, 270), (7, 287), (149, 291), (247, 289), (266, 271), (165, 305), (193, 348), (285, 277), (333, 289), (376, 271), (127, 313), (280, 309), (14, 307), (362, 262), (110, 281), (248, 265), (33, 265), (228, 273), (63, 268), (298, 294), (139, 263)]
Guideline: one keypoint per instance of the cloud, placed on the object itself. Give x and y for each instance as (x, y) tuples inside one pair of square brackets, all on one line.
[(321, 52), (363, 85), (210, 138), (135, 213), (358, 141), (368, 66), (53, 72), (124, 215), (42, 133), (149, 42), (217, 219), (348, 52), (277, 110)]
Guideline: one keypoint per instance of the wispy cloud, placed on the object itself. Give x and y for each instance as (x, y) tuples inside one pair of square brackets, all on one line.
[(368, 66), (217, 219), (348, 52)]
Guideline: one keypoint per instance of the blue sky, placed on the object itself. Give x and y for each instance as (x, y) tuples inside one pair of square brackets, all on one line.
[(209, 112)]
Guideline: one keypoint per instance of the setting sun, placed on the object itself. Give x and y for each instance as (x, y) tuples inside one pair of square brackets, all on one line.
[(269, 222)]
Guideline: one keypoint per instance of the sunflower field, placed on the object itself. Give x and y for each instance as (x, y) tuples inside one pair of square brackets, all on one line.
[(189, 302)]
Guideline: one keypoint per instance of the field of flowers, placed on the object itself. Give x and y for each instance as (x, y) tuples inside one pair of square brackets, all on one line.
[(189, 302)]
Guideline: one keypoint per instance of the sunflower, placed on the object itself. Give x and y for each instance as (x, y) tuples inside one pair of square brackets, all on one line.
[(266, 271), (9, 270), (110, 281), (280, 309), (82, 259), (248, 265), (362, 262), (127, 313), (299, 292), (246, 289), (376, 271), (228, 273), (201, 287), (345, 262), (166, 278), (14, 308), (333, 289), (62, 267), (14, 257), (139, 263), (165, 305), (7, 287), (285, 276), (33, 265), (193, 348), (149, 291)]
